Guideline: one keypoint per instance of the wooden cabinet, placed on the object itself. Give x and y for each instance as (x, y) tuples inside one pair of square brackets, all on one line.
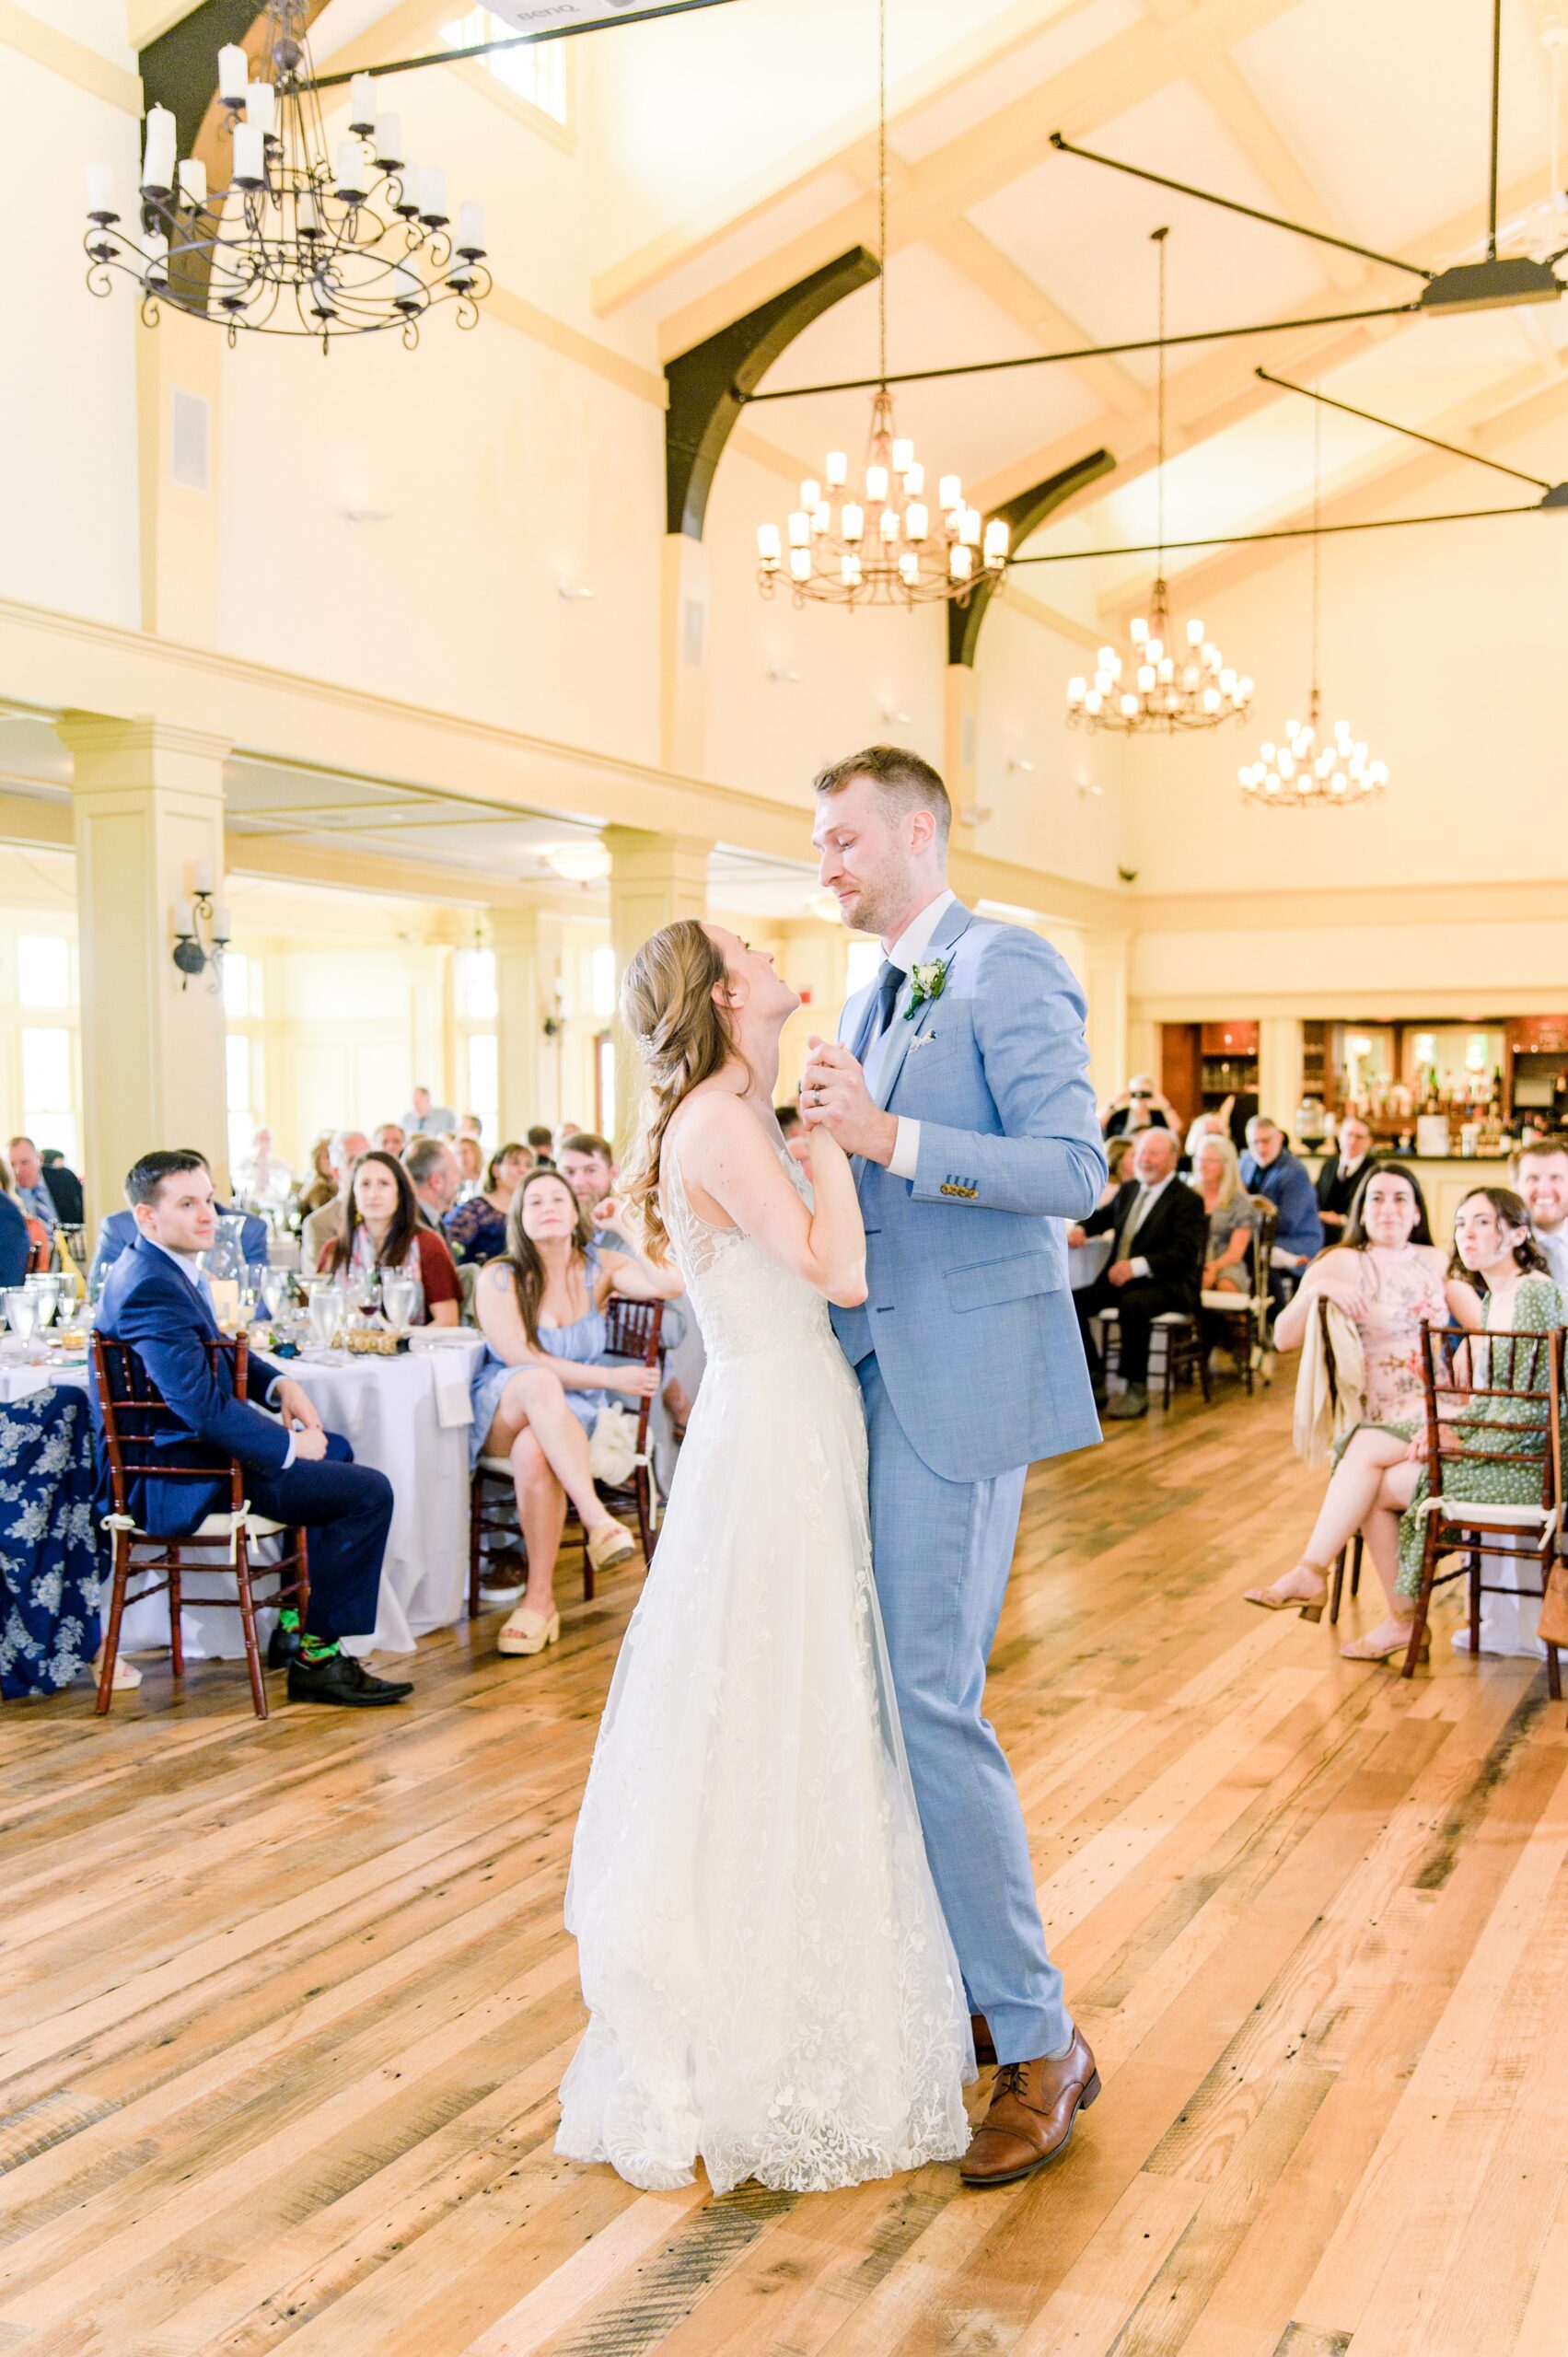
[(1228, 1039)]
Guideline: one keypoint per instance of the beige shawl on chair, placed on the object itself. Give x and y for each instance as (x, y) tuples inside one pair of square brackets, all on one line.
[(1329, 1383)]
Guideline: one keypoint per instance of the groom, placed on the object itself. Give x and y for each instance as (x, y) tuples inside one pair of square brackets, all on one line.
[(960, 1080)]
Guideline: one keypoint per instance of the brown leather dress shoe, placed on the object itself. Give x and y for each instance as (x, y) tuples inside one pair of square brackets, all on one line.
[(1033, 2105), (984, 2047)]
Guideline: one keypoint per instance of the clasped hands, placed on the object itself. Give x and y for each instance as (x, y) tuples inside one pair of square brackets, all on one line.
[(833, 1095), (301, 1421)]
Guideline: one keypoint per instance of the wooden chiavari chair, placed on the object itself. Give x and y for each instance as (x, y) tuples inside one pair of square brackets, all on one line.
[(632, 1332), (135, 1415)]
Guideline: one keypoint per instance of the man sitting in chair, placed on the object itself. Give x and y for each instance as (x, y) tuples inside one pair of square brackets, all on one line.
[(1160, 1230), (157, 1299)]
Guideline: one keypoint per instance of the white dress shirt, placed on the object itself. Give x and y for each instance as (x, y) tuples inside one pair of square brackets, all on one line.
[(189, 1267), (911, 946), (1553, 1242), (1147, 1198)]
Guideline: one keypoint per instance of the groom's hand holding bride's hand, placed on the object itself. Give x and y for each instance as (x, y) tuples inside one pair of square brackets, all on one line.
[(833, 1094)]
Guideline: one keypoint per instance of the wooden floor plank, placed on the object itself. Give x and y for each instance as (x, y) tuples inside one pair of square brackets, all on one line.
[(284, 2008)]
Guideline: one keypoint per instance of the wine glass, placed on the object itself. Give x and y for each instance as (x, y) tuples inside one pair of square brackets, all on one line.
[(40, 1291), (276, 1285)]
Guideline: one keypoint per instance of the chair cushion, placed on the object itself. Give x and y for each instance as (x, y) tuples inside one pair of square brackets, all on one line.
[(1474, 1515), (258, 1525), (1239, 1305), (1172, 1317), (500, 1468)]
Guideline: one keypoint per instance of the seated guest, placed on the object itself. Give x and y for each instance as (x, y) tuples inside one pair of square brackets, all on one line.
[(541, 1146), (390, 1138), (264, 1175), (382, 1232), (1233, 1215), (1341, 1175), (119, 1232), (326, 1221), (40, 1244), (16, 1236), (156, 1299), (1119, 1153), (1207, 1125), (426, 1119), (587, 1165), (1156, 1264), (470, 1165), (321, 1187), (1379, 1484), (1541, 1174), (32, 1192), (477, 1230), (433, 1167), (1269, 1167), (543, 1382), (65, 1186), (1141, 1105), (794, 1134), (471, 1126)]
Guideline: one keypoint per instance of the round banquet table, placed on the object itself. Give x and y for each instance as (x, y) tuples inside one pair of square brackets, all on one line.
[(409, 1417)]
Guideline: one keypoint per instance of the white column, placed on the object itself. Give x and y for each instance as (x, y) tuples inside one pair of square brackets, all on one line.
[(1278, 1069), (654, 879), (149, 826)]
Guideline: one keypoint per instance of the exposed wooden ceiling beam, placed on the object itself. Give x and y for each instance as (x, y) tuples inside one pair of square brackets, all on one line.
[(969, 251)]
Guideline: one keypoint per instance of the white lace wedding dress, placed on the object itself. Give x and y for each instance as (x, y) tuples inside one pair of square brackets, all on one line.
[(770, 1982)]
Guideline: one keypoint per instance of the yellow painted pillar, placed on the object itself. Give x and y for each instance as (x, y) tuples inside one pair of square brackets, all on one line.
[(1280, 1069), (814, 957), (179, 385), (521, 1012), (148, 810), (653, 880), (683, 646), (960, 730), (1104, 954)]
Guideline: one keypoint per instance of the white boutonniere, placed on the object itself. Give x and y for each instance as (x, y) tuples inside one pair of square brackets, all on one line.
[(928, 980)]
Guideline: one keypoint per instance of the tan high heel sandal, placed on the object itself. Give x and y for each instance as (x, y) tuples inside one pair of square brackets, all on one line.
[(610, 1544), (1311, 1607), (527, 1631), (1362, 1649)]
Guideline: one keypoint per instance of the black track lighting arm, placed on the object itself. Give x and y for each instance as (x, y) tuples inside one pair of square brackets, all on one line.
[(1231, 204), (1369, 417), (1284, 533), (520, 41)]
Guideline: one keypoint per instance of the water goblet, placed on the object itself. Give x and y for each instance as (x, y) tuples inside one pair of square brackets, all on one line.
[(326, 1313), (21, 1311), (397, 1301)]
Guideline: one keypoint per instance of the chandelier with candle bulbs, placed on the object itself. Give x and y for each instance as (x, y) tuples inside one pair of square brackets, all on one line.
[(1315, 768), (299, 242), (1170, 682), (890, 543)]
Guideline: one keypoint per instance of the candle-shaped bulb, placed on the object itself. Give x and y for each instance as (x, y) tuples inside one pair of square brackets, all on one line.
[(433, 194), (158, 156), (234, 68), (193, 183), (249, 164), (388, 141), (769, 547), (470, 229), (836, 470), (350, 169), (362, 102), (261, 108)]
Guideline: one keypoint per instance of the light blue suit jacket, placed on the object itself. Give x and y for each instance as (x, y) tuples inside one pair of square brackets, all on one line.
[(967, 1308)]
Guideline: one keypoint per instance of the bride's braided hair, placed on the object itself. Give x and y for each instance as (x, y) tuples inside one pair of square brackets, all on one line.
[(667, 1005)]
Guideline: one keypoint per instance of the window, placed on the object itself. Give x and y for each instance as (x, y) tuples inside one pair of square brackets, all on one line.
[(536, 74), (865, 963), (43, 969), (47, 1115), (241, 986), (240, 1062), (476, 985), (604, 1079), (603, 981), (484, 1082)]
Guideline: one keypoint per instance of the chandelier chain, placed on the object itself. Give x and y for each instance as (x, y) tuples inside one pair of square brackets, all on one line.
[(1317, 541), (882, 190), (1159, 237)]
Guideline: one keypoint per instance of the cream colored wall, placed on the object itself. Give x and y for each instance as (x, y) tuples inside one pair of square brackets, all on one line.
[(1067, 811)]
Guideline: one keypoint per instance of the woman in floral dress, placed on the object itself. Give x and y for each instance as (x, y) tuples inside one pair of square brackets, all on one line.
[(1380, 1484), (1387, 1276)]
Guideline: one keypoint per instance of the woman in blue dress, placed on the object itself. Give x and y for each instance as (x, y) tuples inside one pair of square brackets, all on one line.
[(543, 1381)]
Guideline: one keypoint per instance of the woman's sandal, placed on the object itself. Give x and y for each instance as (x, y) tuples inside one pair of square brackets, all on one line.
[(127, 1677), (610, 1544), (1364, 1649), (527, 1631), (1273, 1600)]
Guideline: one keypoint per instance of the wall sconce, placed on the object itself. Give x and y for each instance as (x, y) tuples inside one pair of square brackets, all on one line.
[(201, 937), (898, 719), (783, 678), (571, 594), (1016, 761)]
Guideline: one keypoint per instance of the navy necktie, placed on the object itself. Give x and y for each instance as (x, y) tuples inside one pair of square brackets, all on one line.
[(889, 982)]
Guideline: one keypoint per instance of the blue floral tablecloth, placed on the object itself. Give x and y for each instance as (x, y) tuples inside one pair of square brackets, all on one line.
[(50, 1567)]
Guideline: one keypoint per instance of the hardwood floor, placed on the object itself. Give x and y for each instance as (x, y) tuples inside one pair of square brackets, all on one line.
[(285, 2007)]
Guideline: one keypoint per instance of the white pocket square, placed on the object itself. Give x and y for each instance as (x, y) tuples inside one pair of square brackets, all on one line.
[(922, 1039)]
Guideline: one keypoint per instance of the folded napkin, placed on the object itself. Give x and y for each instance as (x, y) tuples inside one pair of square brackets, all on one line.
[(454, 1401)]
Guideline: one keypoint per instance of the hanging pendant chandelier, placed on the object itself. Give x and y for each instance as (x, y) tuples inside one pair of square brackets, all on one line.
[(299, 243), (1165, 684), (1314, 769), (886, 545)]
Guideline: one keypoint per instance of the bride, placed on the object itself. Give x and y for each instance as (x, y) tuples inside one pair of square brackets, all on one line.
[(770, 1982)]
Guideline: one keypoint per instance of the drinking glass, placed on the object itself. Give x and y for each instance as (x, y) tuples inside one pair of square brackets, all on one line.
[(21, 1310), (275, 1289), (398, 1296), (326, 1313)]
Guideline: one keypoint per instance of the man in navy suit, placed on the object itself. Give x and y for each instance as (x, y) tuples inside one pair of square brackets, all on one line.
[(157, 1299)]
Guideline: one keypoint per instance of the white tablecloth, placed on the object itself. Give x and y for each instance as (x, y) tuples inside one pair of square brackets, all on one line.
[(17, 1379), (387, 1411), (1084, 1262)]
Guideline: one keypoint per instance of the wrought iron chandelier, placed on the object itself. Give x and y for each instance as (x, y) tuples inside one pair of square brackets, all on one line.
[(299, 243), (1163, 686), (887, 548), (1314, 769)]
